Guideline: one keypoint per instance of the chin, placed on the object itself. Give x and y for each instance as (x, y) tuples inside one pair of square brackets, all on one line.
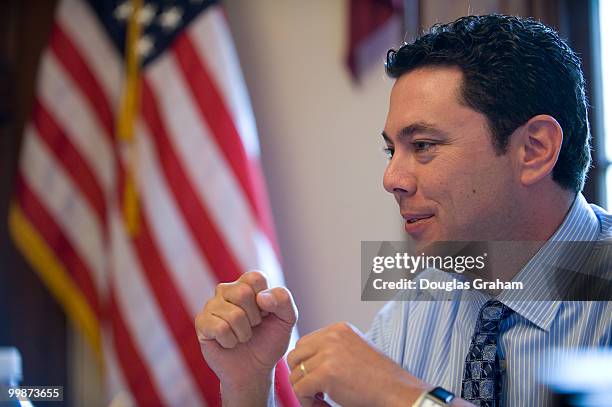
[(423, 243)]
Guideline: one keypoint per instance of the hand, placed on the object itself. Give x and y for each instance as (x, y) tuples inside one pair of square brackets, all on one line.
[(245, 330), (341, 363)]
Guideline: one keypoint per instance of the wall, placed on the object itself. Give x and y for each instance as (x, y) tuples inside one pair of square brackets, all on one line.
[(321, 150)]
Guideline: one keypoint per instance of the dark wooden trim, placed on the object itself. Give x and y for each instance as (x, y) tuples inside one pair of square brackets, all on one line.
[(30, 318)]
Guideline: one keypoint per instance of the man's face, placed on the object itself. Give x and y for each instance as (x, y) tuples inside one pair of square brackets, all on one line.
[(443, 170)]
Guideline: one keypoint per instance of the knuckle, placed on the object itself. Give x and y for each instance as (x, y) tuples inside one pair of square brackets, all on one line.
[(210, 307), (210, 303), (242, 293), (229, 342), (291, 358), (300, 342), (199, 320), (199, 315), (343, 327), (283, 293), (220, 288), (235, 316), (221, 328), (256, 277), (339, 329)]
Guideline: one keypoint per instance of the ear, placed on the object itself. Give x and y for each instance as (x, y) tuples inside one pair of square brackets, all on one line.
[(539, 143)]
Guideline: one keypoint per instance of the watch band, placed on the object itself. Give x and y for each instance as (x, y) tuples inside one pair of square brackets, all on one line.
[(438, 397)]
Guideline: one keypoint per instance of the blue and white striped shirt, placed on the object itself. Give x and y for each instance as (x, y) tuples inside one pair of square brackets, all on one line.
[(430, 339)]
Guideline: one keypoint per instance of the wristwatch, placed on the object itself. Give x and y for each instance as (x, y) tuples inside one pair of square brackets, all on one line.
[(438, 397)]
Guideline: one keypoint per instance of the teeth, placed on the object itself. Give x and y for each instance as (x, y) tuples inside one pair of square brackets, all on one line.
[(417, 219)]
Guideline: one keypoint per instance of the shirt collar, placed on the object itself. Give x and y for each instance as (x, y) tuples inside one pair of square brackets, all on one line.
[(580, 225)]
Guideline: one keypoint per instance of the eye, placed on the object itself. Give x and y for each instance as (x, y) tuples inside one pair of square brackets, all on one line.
[(388, 152), (423, 146)]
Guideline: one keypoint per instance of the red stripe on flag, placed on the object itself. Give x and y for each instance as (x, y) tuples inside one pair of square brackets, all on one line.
[(221, 260), (75, 65), (214, 112), (53, 235), (76, 167), (134, 369)]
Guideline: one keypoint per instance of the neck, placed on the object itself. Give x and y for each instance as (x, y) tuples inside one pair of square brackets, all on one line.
[(546, 215), (534, 223)]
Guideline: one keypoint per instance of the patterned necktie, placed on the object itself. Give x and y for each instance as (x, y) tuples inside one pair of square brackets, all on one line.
[(482, 374)]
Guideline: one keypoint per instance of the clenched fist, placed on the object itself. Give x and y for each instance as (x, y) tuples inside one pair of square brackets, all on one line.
[(244, 330)]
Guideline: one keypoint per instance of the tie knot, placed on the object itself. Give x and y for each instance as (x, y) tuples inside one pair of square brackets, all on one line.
[(493, 310)]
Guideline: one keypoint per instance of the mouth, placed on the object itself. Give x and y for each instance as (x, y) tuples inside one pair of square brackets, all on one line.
[(417, 223), (416, 218)]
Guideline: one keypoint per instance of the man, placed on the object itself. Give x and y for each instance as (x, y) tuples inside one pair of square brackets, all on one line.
[(488, 140)]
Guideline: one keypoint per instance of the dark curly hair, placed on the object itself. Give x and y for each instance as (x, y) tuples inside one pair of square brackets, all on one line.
[(513, 69)]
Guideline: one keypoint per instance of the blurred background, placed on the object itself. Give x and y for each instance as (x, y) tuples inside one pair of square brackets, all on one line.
[(318, 119)]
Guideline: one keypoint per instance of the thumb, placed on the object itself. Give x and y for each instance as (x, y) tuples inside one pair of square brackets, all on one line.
[(278, 301)]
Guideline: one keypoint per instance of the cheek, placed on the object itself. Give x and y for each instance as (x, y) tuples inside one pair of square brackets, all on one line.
[(485, 193), (466, 192)]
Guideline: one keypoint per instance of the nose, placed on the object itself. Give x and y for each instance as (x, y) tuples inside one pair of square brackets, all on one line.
[(399, 178)]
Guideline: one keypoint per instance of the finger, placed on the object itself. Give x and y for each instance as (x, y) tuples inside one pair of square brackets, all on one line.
[(210, 327), (202, 327), (305, 348), (307, 388), (279, 302), (297, 373), (235, 317), (257, 280), (243, 296), (311, 366)]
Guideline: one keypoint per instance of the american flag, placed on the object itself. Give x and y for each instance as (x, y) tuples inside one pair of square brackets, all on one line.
[(140, 188)]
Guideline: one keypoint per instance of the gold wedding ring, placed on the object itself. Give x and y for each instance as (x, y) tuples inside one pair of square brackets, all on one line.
[(303, 369)]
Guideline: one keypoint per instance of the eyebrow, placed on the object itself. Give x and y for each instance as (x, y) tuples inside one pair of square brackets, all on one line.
[(415, 128)]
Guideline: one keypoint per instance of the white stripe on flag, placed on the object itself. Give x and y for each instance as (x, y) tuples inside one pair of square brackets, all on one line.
[(267, 260), (115, 381), (214, 43)]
